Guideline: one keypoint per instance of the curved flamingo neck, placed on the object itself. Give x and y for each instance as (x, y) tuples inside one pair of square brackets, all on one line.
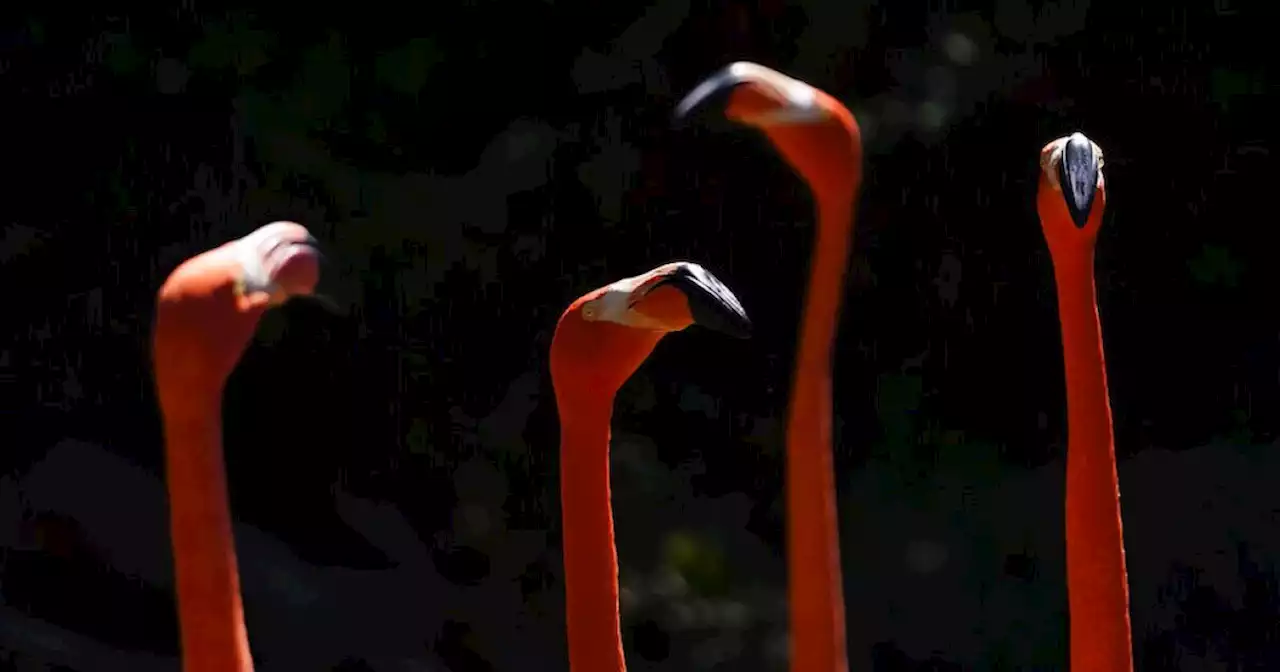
[(590, 552), (1097, 582), (813, 546), (210, 614)]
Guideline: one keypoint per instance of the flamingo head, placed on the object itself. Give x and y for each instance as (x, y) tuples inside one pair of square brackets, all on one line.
[(813, 131), (1072, 194), (605, 335), (209, 307)]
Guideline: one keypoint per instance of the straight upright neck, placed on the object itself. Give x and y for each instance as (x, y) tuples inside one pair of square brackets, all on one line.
[(825, 291), (813, 545), (210, 614), (1097, 582), (590, 554)]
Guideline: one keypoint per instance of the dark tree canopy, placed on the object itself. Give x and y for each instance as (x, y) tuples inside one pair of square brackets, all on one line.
[(473, 167)]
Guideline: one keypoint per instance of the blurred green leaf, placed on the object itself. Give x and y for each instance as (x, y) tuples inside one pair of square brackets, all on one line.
[(231, 45), (122, 58), (898, 397), (376, 128), (419, 437), (973, 459), (698, 561), (1227, 84), (1216, 267), (407, 68), (1240, 433), (638, 394), (17, 240), (323, 88), (35, 28)]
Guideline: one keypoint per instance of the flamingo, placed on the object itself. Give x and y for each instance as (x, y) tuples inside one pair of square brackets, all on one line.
[(820, 139), (206, 313), (600, 340), (1070, 199)]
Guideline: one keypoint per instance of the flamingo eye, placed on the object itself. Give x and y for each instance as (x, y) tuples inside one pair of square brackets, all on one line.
[(597, 309)]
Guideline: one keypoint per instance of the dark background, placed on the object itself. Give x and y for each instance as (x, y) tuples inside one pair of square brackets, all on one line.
[(472, 168)]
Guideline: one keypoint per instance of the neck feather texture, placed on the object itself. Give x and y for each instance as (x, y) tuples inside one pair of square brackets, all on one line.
[(210, 614), (813, 544), (590, 553), (1097, 582)]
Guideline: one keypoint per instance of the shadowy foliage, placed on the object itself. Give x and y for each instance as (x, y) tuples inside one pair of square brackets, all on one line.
[(471, 170)]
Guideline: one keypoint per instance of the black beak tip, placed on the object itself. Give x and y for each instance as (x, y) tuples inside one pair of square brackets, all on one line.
[(1078, 175), (707, 100), (723, 315), (712, 313), (323, 297), (711, 304)]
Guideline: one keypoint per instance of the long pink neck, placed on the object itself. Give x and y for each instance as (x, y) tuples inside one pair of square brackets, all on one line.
[(590, 553), (214, 638), (1097, 582), (813, 545)]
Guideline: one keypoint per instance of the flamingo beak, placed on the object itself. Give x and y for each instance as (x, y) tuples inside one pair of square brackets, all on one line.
[(295, 266), (284, 261), (711, 304), (773, 98), (318, 295), (708, 100), (1078, 175)]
